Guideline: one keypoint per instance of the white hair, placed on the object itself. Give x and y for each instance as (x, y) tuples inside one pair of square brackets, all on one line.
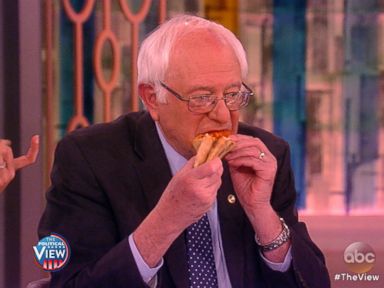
[(153, 58)]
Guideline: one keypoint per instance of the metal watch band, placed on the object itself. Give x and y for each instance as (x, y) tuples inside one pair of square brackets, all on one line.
[(283, 237)]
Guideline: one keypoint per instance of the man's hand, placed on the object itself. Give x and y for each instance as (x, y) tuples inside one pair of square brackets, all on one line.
[(253, 169), (189, 195), (9, 165)]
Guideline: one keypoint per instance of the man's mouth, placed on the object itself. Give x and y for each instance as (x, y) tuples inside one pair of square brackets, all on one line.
[(217, 133)]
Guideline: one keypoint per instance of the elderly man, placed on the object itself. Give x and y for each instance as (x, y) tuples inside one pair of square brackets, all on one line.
[(137, 213)]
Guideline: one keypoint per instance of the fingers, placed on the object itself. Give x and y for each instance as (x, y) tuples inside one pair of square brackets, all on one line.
[(254, 153), (264, 170), (6, 155), (31, 155), (208, 169), (7, 171), (8, 159), (192, 191), (5, 142), (206, 177), (9, 164), (243, 141), (211, 173), (251, 147), (251, 153)]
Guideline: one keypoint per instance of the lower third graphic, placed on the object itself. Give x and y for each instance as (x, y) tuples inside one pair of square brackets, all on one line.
[(52, 253)]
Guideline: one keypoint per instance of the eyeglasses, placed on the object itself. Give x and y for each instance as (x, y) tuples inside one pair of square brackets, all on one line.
[(205, 103)]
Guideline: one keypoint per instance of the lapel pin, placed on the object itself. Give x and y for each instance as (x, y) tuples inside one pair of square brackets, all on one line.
[(231, 199)]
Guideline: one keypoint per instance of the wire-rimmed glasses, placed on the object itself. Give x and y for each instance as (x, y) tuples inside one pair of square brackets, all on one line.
[(206, 102)]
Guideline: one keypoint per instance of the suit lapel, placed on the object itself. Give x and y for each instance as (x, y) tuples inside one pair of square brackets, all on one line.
[(231, 217), (154, 174), (152, 166)]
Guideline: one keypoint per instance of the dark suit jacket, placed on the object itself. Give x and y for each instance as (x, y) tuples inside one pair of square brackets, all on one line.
[(107, 178)]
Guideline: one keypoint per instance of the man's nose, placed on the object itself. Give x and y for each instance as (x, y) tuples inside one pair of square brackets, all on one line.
[(220, 112)]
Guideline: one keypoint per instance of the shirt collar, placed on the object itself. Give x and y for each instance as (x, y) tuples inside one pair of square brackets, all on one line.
[(175, 160)]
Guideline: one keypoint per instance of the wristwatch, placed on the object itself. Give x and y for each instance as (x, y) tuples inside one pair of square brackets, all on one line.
[(283, 237)]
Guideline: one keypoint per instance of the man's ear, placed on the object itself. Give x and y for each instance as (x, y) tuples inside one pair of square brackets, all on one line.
[(148, 95)]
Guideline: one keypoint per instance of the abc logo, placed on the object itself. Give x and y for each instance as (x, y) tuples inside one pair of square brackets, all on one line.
[(359, 257)]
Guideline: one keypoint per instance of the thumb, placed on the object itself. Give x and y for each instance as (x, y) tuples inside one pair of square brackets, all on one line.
[(189, 165)]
